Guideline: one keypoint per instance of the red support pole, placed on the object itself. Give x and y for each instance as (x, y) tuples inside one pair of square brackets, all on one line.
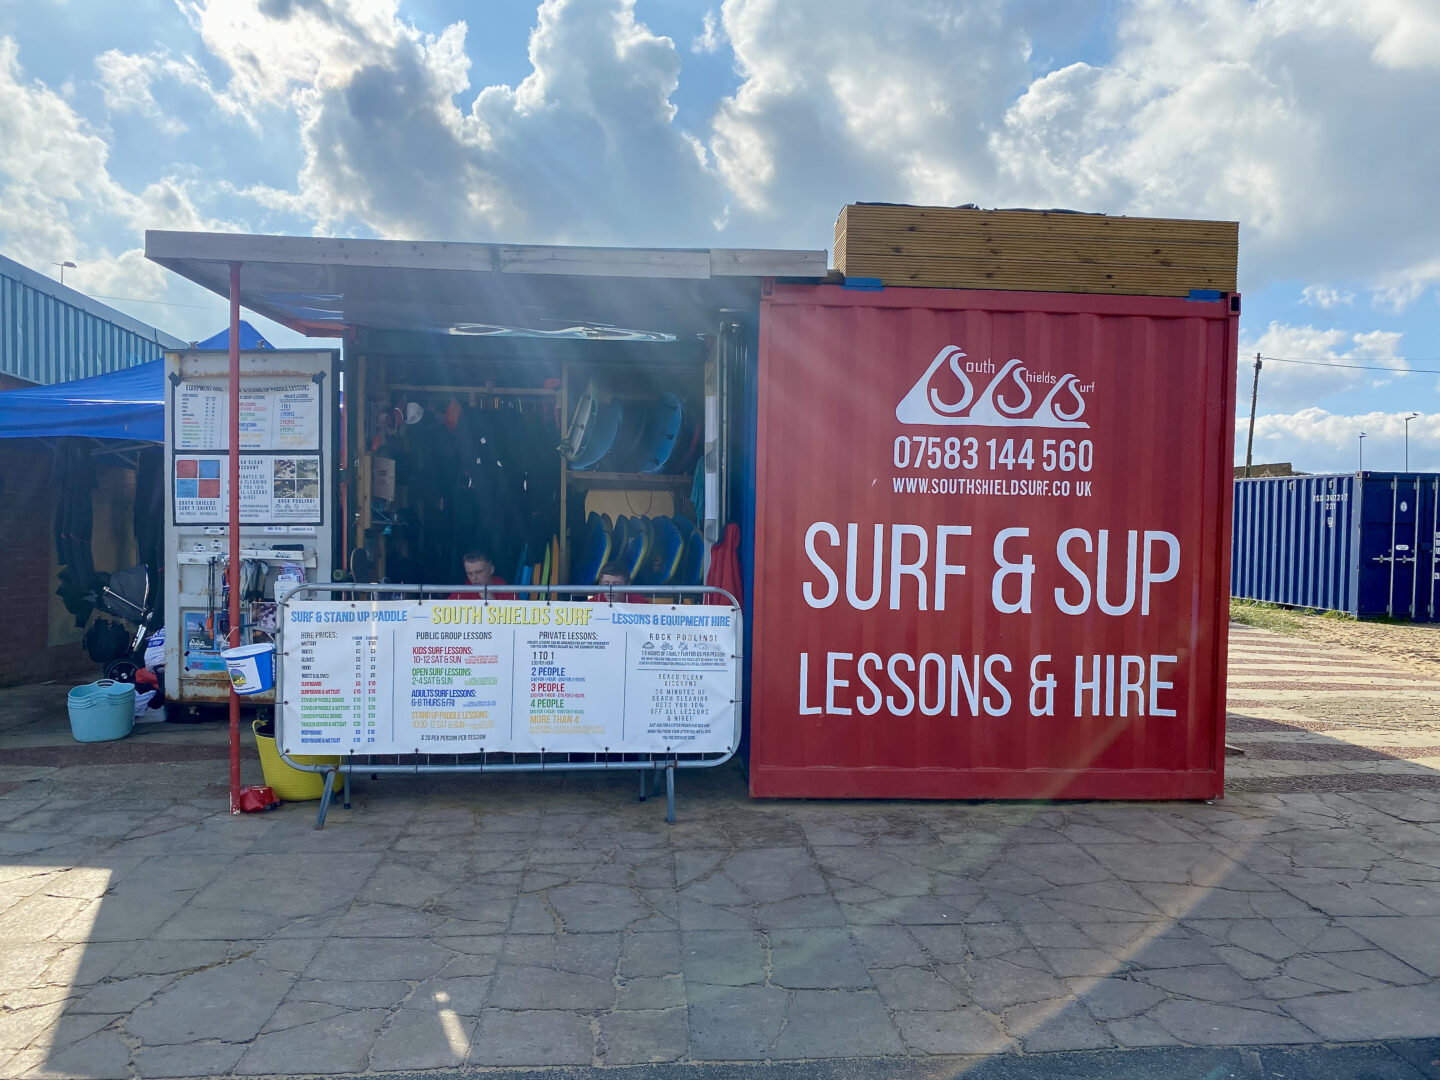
[(234, 572)]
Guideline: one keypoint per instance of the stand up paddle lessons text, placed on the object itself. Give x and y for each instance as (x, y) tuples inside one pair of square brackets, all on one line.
[(1057, 459), (910, 567)]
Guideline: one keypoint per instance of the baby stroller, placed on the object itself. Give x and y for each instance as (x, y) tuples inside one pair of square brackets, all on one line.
[(131, 595)]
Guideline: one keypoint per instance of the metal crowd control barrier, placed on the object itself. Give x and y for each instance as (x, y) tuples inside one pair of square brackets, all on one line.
[(422, 764)]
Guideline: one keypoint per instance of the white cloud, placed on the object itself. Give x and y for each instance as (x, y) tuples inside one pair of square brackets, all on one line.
[(1281, 115), (59, 201), (280, 51), (1326, 298), (585, 148), (1315, 440), (1398, 292), (710, 37), (845, 99), (125, 81), (1295, 385)]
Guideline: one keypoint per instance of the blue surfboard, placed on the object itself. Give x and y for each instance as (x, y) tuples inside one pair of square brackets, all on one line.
[(624, 448), (665, 553), (595, 550), (620, 537), (637, 548), (599, 436), (692, 562), (662, 428)]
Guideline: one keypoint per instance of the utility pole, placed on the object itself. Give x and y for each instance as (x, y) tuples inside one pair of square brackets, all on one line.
[(1254, 393)]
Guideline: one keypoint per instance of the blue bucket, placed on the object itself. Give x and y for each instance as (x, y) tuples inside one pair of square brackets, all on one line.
[(101, 711), (251, 667)]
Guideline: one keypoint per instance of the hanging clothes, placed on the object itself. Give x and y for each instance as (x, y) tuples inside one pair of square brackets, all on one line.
[(725, 567), (73, 481), (150, 508)]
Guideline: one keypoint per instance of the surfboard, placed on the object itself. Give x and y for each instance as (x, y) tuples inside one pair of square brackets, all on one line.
[(692, 562), (637, 547), (620, 537), (685, 525), (599, 436), (594, 552), (689, 441), (580, 422), (662, 428), (625, 446), (545, 568), (665, 556)]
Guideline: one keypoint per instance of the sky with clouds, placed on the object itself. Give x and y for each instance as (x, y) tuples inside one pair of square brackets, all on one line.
[(750, 123)]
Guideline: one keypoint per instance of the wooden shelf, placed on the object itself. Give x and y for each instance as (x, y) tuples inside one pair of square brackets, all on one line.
[(627, 481)]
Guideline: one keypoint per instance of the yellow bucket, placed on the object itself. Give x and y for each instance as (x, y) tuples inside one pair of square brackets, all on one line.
[(290, 785)]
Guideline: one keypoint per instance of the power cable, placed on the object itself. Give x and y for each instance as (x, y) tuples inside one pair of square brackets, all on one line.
[(1356, 367), (161, 303)]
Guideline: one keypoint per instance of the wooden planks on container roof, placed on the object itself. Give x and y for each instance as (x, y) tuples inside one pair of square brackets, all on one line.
[(1035, 250)]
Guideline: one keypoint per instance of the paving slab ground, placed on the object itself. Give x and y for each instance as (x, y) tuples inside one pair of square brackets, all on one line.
[(447, 927)]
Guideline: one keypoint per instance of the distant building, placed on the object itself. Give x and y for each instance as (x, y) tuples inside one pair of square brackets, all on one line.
[(1278, 468), (50, 333)]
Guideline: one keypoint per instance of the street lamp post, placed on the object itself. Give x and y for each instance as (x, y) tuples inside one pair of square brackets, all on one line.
[(1412, 416), (1362, 451), (63, 267)]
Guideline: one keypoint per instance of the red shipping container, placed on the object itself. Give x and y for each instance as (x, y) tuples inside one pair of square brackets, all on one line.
[(992, 544)]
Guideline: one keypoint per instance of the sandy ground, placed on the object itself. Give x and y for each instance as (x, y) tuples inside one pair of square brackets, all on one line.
[(1411, 645)]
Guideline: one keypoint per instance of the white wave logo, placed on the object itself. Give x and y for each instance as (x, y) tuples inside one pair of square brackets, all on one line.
[(945, 395)]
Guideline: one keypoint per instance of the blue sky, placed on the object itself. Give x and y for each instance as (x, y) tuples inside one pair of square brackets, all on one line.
[(750, 123)]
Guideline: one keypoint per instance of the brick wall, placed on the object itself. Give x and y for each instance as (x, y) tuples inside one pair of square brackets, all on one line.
[(38, 637)]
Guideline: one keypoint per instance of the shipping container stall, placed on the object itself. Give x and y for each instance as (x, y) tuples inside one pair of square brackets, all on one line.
[(984, 533), (1362, 543), (1012, 581), (554, 409)]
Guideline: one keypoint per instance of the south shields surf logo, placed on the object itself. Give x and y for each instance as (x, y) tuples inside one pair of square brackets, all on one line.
[(1012, 395)]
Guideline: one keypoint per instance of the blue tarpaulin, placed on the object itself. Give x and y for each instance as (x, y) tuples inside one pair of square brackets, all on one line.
[(250, 339), (125, 404)]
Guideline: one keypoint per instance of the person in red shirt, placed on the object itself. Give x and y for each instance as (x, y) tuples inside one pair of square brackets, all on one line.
[(613, 577), (480, 570)]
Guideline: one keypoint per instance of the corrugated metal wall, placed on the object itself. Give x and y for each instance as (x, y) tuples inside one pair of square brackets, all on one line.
[(1365, 545), (50, 333), (1294, 542)]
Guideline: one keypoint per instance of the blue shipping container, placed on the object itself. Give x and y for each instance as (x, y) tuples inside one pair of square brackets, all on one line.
[(1359, 543)]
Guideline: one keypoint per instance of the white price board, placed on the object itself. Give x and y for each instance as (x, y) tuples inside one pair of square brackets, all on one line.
[(463, 677), (273, 490), (274, 415)]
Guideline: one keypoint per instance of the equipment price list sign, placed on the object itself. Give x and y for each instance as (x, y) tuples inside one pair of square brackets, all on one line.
[(458, 677), (273, 416)]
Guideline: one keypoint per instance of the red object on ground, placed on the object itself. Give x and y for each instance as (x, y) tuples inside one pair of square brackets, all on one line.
[(255, 799), (992, 544), (725, 567)]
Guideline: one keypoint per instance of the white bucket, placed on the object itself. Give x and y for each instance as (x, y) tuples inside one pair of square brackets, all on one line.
[(251, 667)]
